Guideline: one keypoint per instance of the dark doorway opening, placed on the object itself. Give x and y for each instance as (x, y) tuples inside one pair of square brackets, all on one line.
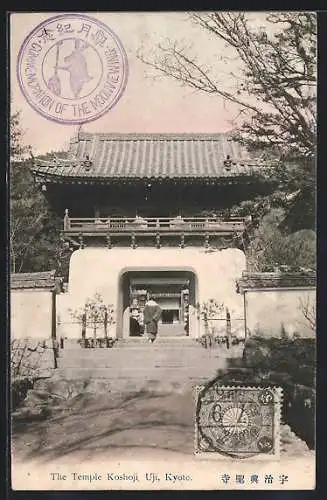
[(174, 291)]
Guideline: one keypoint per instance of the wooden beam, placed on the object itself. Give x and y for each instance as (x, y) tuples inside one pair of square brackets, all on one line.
[(70, 239), (53, 328), (81, 240), (109, 244)]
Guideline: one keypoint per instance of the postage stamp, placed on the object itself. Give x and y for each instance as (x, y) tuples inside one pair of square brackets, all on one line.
[(237, 422), (72, 68)]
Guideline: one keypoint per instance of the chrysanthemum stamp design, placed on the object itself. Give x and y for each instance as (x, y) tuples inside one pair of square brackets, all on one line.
[(237, 422)]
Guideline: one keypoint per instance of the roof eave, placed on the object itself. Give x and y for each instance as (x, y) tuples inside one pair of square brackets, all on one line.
[(60, 179)]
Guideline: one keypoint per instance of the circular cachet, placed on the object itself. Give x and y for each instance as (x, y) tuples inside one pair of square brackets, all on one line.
[(239, 422), (72, 68)]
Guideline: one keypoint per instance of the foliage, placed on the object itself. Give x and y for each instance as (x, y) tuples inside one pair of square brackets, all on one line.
[(34, 228), (307, 307), (210, 309), (217, 341), (274, 91), (292, 356), (95, 312), (286, 363), (34, 241), (19, 389), (17, 146), (270, 247)]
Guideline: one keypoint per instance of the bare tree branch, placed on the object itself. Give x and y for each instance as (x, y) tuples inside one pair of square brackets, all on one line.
[(278, 71), (308, 310)]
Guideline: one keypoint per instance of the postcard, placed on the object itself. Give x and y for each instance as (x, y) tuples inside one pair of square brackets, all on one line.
[(163, 250)]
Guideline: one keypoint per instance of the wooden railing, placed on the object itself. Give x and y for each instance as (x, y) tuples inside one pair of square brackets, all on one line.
[(152, 224)]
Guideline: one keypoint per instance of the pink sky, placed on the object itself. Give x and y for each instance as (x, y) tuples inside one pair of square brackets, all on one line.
[(147, 105)]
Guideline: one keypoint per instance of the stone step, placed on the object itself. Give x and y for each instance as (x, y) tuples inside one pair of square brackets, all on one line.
[(134, 361), (139, 371), (147, 354), (160, 340), (156, 374), (140, 363), (186, 342), (121, 384), (137, 353), (144, 368), (141, 350)]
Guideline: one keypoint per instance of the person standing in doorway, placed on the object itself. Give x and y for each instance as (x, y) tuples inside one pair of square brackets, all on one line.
[(152, 313)]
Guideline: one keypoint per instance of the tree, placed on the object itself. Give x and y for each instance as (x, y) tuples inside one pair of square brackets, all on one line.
[(34, 229), (274, 92), (17, 146), (270, 247), (95, 312), (307, 308), (209, 311), (27, 213)]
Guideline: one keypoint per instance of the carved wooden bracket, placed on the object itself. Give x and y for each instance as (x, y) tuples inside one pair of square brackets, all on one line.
[(81, 241)]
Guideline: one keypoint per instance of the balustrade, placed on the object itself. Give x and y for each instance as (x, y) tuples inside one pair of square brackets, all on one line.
[(154, 225)]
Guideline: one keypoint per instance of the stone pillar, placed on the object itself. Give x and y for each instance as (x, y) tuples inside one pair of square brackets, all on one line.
[(126, 316), (185, 298), (66, 220), (83, 330), (105, 324), (228, 329), (194, 326)]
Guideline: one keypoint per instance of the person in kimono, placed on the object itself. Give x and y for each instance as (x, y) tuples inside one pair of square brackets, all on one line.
[(152, 313)]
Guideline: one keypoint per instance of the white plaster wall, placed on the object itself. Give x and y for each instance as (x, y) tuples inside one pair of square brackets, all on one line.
[(99, 269), (30, 314), (266, 311)]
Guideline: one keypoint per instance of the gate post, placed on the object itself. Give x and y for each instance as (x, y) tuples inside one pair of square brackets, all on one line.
[(53, 327), (228, 328), (245, 321), (83, 330), (105, 324)]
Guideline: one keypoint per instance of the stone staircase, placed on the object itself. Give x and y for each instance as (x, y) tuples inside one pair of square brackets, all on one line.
[(135, 363)]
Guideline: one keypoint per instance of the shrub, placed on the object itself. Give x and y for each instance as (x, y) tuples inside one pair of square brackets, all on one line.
[(288, 363), (270, 247), (19, 389)]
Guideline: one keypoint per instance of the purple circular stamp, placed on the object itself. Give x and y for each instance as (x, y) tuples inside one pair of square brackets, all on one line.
[(72, 68)]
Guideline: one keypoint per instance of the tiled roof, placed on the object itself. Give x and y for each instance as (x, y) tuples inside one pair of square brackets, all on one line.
[(33, 280), (250, 281), (150, 156)]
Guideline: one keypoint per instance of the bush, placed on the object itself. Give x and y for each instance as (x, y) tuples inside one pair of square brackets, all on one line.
[(270, 247), (19, 389), (287, 363), (296, 357)]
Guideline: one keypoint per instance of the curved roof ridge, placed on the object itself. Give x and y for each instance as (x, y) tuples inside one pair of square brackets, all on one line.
[(205, 136), (98, 156)]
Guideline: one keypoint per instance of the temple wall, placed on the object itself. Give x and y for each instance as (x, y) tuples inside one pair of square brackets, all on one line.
[(268, 311), (31, 314), (99, 270)]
